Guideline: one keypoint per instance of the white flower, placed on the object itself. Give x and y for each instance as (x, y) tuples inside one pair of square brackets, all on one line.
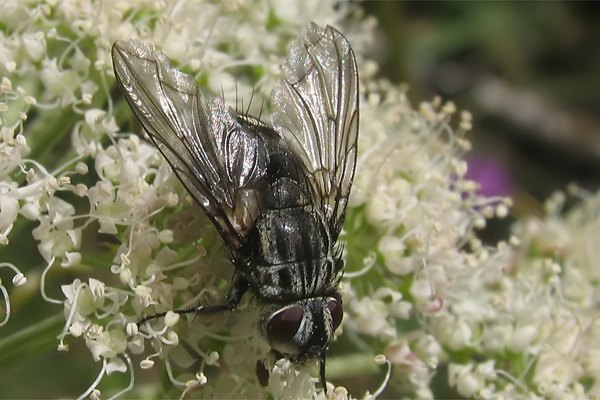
[(107, 345), (34, 44), (9, 209), (60, 84), (462, 377), (370, 317), (286, 382)]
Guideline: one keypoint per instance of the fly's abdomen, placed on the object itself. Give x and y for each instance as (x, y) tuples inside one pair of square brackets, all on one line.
[(287, 251), (289, 235), (291, 255)]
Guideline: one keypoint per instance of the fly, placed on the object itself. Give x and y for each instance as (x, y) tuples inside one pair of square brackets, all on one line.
[(276, 192)]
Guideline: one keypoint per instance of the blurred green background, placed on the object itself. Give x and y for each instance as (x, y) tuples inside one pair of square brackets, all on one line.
[(528, 71), (530, 74)]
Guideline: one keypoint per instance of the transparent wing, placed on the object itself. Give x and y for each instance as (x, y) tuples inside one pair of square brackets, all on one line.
[(316, 112), (219, 161)]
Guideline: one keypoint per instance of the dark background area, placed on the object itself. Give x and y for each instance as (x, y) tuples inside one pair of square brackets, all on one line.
[(529, 72)]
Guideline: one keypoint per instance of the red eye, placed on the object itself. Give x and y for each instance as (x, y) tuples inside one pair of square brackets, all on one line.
[(283, 325), (336, 311)]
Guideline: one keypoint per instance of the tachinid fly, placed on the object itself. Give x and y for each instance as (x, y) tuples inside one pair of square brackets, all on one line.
[(276, 192)]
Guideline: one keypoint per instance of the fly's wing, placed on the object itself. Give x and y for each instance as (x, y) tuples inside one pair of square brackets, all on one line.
[(316, 112), (219, 161)]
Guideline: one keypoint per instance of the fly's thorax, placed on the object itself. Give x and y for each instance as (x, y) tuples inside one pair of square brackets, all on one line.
[(304, 328)]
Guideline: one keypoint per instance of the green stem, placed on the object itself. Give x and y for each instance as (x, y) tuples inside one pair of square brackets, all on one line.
[(50, 128), (31, 340), (350, 365)]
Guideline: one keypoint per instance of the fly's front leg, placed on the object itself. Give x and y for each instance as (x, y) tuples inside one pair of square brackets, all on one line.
[(238, 287)]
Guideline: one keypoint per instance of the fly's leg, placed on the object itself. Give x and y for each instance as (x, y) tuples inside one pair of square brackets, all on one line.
[(238, 287)]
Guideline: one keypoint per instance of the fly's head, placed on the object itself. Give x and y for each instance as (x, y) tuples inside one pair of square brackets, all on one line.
[(304, 329)]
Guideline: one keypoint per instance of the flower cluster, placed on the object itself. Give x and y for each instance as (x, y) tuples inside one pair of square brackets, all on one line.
[(518, 319), (555, 296), (420, 290), (414, 223)]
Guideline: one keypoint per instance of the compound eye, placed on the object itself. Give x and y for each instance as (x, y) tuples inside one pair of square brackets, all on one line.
[(283, 325), (336, 311)]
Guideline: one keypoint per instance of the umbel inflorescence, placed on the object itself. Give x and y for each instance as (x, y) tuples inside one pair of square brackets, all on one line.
[(421, 293)]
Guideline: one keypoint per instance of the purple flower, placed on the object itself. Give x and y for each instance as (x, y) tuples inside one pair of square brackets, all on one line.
[(491, 173)]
